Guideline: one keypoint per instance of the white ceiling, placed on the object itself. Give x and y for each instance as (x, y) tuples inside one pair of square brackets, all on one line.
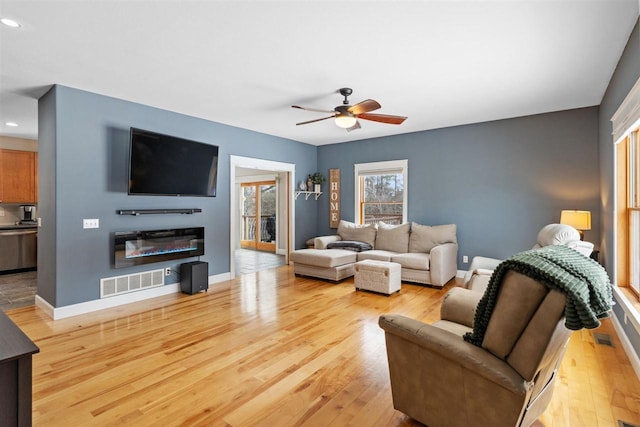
[(244, 63)]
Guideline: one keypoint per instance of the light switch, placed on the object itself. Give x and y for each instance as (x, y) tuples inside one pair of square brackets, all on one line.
[(91, 223)]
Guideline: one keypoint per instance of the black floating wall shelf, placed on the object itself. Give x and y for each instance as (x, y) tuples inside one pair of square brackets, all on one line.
[(157, 211)]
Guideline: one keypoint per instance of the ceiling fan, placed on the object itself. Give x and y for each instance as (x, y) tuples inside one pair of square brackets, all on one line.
[(346, 116)]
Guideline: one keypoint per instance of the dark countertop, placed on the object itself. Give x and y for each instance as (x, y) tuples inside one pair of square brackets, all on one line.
[(13, 342), (18, 227)]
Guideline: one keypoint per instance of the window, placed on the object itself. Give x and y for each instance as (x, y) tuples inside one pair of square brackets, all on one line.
[(626, 135), (628, 210), (381, 192)]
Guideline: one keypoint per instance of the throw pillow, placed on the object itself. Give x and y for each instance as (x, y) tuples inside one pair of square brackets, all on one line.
[(393, 238), (360, 233), (424, 237)]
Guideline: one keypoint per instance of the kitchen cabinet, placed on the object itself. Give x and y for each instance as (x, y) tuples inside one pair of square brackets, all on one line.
[(18, 176)]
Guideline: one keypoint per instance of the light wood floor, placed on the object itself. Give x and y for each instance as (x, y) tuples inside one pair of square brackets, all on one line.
[(269, 349)]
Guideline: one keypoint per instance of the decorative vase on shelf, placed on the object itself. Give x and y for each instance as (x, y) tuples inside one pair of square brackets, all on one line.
[(316, 188), (309, 183)]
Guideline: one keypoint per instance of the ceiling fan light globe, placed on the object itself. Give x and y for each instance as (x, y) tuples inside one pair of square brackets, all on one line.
[(345, 121)]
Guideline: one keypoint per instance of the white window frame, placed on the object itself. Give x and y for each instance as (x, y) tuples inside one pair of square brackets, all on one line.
[(624, 121), (390, 166)]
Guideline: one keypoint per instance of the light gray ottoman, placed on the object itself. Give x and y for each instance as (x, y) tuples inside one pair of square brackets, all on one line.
[(330, 264), (378, 276)]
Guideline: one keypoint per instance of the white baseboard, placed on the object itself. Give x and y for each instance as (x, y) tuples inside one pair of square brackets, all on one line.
[(100, 304), (281, 252), (461, 273), (626, 344)]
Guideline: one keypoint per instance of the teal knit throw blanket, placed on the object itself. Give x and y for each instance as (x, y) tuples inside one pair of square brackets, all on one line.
[(584, 282)]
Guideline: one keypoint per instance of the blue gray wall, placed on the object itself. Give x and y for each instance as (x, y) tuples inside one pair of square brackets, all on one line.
[(47, 269), (84, 140), (500, 181), (625, 76)]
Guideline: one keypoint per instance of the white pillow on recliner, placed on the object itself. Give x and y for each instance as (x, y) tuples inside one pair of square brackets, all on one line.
[(557, 234)]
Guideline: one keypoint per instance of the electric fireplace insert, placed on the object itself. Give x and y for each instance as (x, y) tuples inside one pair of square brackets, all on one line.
[(146, 247)]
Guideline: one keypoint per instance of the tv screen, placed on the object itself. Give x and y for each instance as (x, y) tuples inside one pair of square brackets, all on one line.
[(164, 165)]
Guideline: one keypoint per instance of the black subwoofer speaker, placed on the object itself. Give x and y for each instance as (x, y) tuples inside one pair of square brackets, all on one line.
[(194, 277)]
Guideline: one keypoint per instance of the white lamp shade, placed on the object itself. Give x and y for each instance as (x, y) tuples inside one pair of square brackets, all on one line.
[(580, 220), (345, 121)]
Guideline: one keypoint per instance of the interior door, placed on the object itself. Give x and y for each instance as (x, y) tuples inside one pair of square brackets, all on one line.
[(259, 215)]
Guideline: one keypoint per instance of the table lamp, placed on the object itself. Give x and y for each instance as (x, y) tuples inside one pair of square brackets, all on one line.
[(580, 220)]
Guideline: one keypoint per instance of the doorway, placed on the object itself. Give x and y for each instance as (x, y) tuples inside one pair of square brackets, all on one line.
[(272, 234), (259, 216)]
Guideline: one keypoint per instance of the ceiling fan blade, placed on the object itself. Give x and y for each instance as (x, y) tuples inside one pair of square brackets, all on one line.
[(364, 107), (383, 118), (313, 121), (354, 127), (312, 109)]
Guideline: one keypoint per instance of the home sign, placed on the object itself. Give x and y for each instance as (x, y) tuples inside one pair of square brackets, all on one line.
[(334, 198)]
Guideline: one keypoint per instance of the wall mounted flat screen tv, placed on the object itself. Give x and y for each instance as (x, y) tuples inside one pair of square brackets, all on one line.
[(164, 165)]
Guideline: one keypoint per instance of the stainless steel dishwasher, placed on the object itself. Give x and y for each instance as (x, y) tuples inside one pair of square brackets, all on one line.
[(18, 249)]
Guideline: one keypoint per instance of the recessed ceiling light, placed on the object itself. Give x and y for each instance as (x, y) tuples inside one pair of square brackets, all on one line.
[(12, 124), (10, 23)]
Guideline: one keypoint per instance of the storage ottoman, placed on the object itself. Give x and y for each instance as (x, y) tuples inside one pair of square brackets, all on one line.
[(378, 276)]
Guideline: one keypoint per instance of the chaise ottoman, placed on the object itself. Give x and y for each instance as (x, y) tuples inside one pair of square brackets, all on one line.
[(378, 276), (334, 264)]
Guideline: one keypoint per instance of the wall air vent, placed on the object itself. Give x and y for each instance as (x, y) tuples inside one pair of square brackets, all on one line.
[(111, 286), (603, 339)]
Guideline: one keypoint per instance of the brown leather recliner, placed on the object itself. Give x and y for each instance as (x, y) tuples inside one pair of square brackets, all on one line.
[(440, 379)]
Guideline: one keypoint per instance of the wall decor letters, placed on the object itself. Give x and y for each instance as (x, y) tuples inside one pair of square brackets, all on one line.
[(334, 198)]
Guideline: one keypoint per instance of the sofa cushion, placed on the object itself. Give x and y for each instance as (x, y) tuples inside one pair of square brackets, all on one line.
[(323, 257), (350, 245), (393, 238), (423, 238), (361, 233), (376, 254), (415, 260)]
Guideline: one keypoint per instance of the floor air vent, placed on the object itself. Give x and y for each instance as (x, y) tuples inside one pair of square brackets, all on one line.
[(626, 424), (603, 339), (111, 286)]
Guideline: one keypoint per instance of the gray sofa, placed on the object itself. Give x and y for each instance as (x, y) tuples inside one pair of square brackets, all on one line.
[(427, 254)]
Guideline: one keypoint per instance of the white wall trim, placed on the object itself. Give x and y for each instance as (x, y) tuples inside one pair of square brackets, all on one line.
[(627, 116), (261, 164), (627, 306), (626, 345), (255, 178), (57, 313)]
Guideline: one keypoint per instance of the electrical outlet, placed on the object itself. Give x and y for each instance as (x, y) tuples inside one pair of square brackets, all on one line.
[(167, 271), (465, 259), (91, 223)]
